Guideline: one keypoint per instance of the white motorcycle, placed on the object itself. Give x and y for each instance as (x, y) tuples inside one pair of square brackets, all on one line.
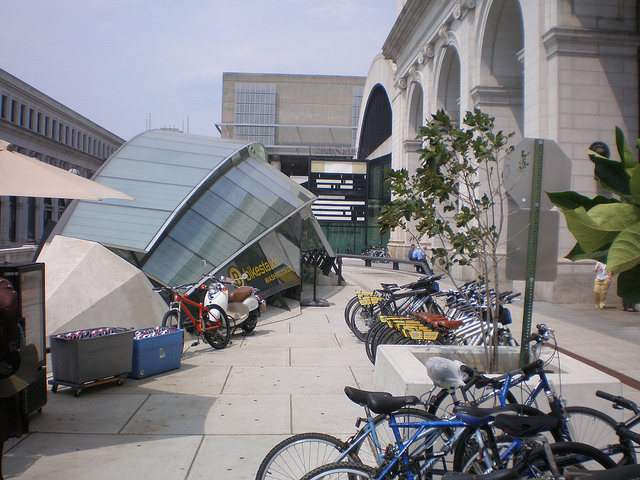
[(242, 304)]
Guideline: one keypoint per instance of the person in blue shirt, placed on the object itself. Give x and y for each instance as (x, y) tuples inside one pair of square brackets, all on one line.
[(420, 255)]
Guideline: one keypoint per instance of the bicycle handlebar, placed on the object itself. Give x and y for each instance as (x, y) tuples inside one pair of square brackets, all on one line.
[(619, 401), (625, 432), (531, 367)]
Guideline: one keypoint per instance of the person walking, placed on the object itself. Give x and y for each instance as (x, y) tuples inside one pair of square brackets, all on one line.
[(601, 284), (411, 250)]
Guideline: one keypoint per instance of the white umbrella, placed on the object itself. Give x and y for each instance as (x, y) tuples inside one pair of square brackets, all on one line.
[(23, 176)]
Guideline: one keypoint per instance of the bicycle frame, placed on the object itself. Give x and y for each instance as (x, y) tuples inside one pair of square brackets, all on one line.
[(436, 428), (178, 305)]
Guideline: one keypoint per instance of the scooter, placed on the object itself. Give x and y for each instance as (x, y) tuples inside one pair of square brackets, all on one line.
[(243, 304)]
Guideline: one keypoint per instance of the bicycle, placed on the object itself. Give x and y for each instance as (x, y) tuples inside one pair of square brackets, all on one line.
[(299, 454), (577, 423), (216, 332), (361, 312), (413, 458)]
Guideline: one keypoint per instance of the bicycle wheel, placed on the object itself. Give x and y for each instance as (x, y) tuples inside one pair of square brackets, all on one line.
[(590, 426), (341, 471), (363, 318), (297, 455), (217, 333), (347, 310), (368, 343), (171, 319), (565, 454), (373, 343)]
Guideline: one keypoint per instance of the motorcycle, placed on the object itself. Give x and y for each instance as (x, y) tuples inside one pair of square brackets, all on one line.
[(243, 304)]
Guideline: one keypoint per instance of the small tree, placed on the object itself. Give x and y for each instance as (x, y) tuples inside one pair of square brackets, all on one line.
[(608, 229), (457, 198)]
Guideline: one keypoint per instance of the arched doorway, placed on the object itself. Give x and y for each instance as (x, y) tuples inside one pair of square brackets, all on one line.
[(500, 92), (375, 148), (376, 122), (448, 98)]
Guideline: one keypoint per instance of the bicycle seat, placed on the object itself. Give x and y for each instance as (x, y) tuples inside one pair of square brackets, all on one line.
[(361, 397), (525, 426), (437, 320), (428, 317), (240, 294), (478, 416), (448, 324), (389, 404)]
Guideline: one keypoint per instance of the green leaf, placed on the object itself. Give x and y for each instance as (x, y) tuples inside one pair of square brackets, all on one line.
[(577, 253), (624, 253), (624, 150), (571, 200), (611, 174), (629, 285), (601, 224), (615, 216)]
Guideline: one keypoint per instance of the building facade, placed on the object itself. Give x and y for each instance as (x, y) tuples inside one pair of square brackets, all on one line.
[(562, 70), (308, 124), (43, 128)]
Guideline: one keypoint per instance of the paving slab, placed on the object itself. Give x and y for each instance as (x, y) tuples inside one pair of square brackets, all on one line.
[(315, 380), (332, 414), (231, 457), (91, 412), (107, 457)]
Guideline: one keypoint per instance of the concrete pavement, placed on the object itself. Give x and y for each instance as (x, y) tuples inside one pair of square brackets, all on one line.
[(222, 411)]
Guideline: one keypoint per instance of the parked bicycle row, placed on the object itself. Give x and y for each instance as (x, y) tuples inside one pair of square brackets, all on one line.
[(469, 423), (214, 308), (419, 313)]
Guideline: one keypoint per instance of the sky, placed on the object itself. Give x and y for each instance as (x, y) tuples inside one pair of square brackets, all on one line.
[(130, 64)]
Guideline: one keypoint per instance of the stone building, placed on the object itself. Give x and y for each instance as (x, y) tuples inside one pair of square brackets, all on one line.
[(42, 127), (562, 70)]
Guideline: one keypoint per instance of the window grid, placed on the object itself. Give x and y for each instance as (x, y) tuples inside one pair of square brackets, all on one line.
[(255, 106)]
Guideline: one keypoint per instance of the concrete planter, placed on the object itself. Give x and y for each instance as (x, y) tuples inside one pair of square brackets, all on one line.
[(400, 370)]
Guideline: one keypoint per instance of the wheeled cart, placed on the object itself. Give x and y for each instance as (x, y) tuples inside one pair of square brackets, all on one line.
[(78, 388), (91, 357)]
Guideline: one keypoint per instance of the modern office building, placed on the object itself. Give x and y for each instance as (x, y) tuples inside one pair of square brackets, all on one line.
[(557, 70), (308, 124), (39, 126)]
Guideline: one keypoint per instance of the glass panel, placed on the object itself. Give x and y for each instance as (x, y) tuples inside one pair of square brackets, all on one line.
[(230, 192), (173, 264)]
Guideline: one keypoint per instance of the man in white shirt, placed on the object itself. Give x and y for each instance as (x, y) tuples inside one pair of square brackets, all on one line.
[(601, 285)]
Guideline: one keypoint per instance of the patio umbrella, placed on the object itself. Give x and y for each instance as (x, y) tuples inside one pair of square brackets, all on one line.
[(23, 176)]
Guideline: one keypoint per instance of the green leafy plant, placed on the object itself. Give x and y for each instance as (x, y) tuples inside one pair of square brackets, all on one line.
[(608, 229), (456, 197)]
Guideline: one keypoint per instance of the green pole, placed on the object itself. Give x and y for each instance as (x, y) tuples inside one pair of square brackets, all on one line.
[(532, 248)]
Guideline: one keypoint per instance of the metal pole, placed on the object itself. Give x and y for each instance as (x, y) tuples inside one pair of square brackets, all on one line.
[(532, 247)]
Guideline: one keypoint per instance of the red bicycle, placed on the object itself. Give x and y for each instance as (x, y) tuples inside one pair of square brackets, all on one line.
[(214, 328)]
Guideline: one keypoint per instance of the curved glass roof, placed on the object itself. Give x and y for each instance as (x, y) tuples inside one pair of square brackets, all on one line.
[(197, 198)]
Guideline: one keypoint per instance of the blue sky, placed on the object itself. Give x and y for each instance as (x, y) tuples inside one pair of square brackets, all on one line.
[(119, 62)]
